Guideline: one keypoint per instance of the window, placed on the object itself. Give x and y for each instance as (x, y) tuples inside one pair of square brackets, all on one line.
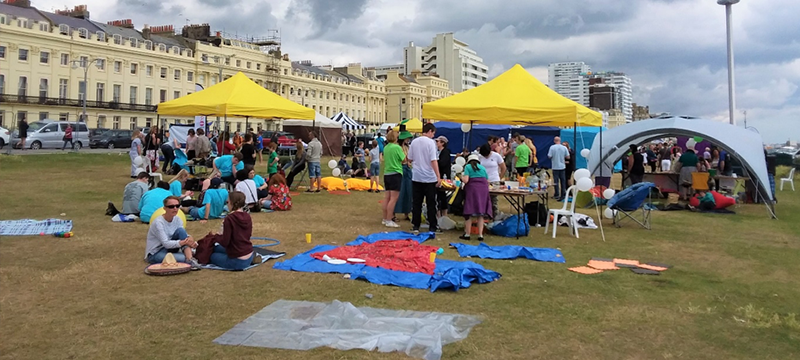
[(2, 84), (176, 94), (134, 43), (403, 100), (204, 58), (101, 121), (84, 62), (101, 92), (258, 66), (177, 74), (134, 122), (117, 120), (227, 61), (63, 88), (43, 86), (134, 91), (81, 90), (148, 122), (2, 52), (42, 26), (148, 45), (201, 79), (63, 29), (101, 64), (43, 115), (176, 50), (117, 93), (117, 39), (23, 54), (162, 47), (23, 86), (163, 73), (163, 95), (248, 64), (134, 68), (83, 33), (238, 63), (44, 57), (189, 76), (101, 36), (148, 96), (65, 59), (189, 53), (117, 66), (148, 70)]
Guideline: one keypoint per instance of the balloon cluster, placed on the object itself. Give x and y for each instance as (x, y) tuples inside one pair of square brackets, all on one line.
[(336, 171)]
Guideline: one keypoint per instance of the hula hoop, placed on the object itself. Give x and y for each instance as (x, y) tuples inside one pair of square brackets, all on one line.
[(275, 241)]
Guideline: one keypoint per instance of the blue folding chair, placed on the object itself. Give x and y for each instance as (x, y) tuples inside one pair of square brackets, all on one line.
[(626, 203)]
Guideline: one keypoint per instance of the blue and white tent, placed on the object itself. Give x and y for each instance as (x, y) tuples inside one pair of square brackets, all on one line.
[(347, 123)]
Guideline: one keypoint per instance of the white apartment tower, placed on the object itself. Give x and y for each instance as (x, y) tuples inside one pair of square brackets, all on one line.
[(569, 79), (622, 82), (448, 58)]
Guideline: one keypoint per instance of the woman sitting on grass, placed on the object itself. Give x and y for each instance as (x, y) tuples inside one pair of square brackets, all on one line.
[(279, 198), (168, 235), (248, 187), (178, 182), (234, 250)]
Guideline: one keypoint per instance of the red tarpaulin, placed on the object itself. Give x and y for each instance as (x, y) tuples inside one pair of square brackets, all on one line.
[(402, 255)]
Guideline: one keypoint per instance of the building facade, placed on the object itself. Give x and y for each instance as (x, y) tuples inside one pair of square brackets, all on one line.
[(569, 79), (405, 94), (641, 112), (129, 72), (622, 83)]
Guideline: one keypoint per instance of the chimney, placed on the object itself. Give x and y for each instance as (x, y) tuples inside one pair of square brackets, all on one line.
[(19, 3), (79, 11), (200, 32), (163, 30), (146, 32), (126, 23)]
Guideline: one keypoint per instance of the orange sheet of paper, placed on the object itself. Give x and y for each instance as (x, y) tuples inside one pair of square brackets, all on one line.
[(585, 270), (602, 265), (626, 262), (651, 267)]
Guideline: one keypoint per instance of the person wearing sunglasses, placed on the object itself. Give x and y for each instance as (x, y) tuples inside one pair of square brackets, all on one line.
[(167, 235)]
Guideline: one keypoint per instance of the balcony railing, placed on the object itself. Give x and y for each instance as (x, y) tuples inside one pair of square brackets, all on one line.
[(23, 99)]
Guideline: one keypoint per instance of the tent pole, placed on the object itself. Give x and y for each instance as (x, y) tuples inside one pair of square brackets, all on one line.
[(469, 141), (246, 124)]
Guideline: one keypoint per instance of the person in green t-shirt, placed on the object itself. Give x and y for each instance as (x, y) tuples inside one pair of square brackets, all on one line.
[(523, 154), (393, 157), (272, 163)]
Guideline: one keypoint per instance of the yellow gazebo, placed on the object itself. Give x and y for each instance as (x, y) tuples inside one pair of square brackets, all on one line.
[(514, 97), (412, 125), (238, 97)]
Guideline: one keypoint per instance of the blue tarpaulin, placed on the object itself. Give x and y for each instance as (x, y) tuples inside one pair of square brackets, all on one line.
[(484, 251), (447, 275)]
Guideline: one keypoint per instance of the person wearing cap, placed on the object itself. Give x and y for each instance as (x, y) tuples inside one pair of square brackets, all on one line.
[(426, 177), (227, 165), (152, 200), (404, 199), (213, 203), (445, 171), (477, 204)]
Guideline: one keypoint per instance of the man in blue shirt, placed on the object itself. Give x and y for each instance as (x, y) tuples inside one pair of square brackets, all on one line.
[(228, 165), (381, 142), (153, 200), (558, 155), (259, 144)]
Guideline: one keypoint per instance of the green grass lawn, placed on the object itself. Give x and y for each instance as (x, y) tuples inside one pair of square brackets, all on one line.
[(733, 292)]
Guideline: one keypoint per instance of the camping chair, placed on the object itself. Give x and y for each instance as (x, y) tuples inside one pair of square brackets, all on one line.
[(700, 181), (153, 174), (572, 192), (304, 180), (626, 202), (789, 179)]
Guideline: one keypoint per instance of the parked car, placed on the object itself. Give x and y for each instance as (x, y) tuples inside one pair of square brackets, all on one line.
[(49, 134), (96, 133), (5, 137), (284, 138), (112, 139)]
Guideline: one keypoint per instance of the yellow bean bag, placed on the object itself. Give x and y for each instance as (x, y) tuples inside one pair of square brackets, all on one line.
[(360, 185), (161, 211), (331, 183)]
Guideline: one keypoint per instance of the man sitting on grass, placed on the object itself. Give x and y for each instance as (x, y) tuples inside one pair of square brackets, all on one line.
[(227, 165), (152, 200), (131, 196), (212, 205), (167, 235)]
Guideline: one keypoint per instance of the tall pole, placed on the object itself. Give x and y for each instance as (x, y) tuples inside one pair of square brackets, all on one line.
[(731, 89), (219, 80), (85, 94)]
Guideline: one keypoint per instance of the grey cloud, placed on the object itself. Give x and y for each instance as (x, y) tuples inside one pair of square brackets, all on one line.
[(328, 15)]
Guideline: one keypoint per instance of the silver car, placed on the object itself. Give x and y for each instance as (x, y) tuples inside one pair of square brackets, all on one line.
[(50, 134)]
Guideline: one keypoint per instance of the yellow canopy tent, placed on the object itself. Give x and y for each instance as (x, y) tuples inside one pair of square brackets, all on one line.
[(514, 97), (412, 125), (239, 97)]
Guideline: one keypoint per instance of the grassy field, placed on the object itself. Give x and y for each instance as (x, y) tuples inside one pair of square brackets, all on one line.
[(733, 292)]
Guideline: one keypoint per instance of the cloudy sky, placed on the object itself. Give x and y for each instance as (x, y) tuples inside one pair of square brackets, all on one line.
[(673, 50)]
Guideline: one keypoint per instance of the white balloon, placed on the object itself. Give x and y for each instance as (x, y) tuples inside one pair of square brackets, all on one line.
[(691, 143), (609, 193), (460, 161), (585, 184), (336, 171), (585, 153), (138, 171), (332, 164), (466, 127), (608, 213), (581, 173), (138, 161), (458, 167)]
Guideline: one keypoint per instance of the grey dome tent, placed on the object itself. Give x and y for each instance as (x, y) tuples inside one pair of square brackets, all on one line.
[(745, 145)]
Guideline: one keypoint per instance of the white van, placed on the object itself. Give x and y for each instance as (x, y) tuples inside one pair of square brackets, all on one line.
[(50, 134)]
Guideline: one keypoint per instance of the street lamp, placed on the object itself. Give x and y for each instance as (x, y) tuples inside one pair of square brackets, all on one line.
[(85, 65), (731, 97)]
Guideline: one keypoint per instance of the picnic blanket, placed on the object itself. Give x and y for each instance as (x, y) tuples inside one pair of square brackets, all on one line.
[(266, 255), (447, 274), (34, 227), (484, 251), (403, 255)]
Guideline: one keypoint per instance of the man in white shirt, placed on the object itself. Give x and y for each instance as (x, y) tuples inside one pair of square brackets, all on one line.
[(495, 169), (314, 153), (558, 155), (425, 178)]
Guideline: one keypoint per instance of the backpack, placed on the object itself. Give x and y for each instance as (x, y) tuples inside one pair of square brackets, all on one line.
[(537, 213)]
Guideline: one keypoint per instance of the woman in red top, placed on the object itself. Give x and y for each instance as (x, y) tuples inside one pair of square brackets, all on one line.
[(279, 198), (234, 250), (224, 146), (68, 137)]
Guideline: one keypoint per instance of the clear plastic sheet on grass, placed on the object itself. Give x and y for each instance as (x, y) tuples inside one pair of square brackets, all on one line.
[(302, 325)]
